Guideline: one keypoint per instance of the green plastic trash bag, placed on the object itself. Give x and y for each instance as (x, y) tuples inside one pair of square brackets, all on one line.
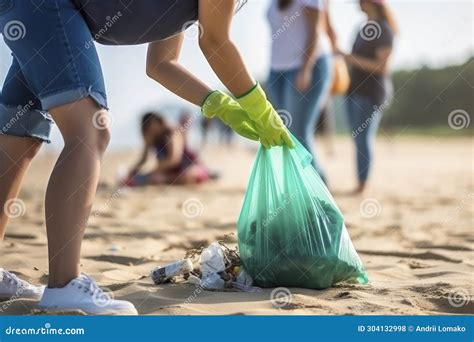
[(290, 231)]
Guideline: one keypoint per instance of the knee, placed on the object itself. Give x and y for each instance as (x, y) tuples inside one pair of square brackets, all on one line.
[(99, 136), (102, 140), (94, 141)]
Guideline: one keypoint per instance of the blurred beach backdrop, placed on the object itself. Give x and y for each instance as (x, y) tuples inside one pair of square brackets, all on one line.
[(413, 229)]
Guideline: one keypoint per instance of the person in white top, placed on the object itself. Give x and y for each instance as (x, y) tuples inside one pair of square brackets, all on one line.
[(301, 64)]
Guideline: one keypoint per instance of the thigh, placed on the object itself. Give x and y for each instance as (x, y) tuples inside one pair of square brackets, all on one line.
[(20, 109), (49, 41)]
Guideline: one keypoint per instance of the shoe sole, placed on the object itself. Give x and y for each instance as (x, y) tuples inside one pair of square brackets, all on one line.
[(49, 311), (8, 298)]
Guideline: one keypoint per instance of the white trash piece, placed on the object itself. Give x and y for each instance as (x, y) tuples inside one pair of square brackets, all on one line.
[(212, 262), (212, 281), (212, 259), (243, 278)]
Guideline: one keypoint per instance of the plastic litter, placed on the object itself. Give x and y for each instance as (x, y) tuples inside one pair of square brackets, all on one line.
[(212, 281), (161, 275), (212, 259), (219, 270), (243, 278)]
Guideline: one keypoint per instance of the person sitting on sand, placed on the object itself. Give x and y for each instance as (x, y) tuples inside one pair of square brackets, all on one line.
[(176, 163), (56, 75)]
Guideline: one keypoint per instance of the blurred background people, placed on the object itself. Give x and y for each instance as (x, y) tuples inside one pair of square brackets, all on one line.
[(176, 164), (300, 70), (370, 89), (326, 128)]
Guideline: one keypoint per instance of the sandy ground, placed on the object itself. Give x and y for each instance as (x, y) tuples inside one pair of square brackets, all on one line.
[(413, 231)]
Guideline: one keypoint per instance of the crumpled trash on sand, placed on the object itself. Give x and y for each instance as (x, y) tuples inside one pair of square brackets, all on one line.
[(217, 269)]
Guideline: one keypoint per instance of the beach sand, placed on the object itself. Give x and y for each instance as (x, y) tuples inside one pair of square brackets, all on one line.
[(413, 231)]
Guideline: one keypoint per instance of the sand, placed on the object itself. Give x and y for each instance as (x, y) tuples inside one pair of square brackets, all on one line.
[(413, 231)]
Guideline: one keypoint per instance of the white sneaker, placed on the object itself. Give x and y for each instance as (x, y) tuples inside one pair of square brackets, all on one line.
[(12, 287), (82, 293)]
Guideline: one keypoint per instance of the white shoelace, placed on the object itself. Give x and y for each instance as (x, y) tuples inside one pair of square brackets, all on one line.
[(90, 286)]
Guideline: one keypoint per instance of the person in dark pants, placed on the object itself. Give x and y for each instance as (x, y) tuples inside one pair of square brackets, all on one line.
[(370, 90)]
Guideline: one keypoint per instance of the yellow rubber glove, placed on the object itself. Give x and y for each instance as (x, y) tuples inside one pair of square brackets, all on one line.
[(268, 124), (229, 112)]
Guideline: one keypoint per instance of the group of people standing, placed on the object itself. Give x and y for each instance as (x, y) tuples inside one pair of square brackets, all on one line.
[(304, 46), (56, 76)]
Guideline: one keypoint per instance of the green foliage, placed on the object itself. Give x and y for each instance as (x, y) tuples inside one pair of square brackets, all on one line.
[(425, 97)]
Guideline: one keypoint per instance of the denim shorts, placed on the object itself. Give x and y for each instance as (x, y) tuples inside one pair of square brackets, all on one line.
[(50, 67), (54, 60)]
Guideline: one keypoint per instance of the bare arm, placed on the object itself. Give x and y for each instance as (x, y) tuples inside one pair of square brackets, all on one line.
[(312, 21), (215, 18), (330, 29), (163, 67), (305, 74), (378, 65)]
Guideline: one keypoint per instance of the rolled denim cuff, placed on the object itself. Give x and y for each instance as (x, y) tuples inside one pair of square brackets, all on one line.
[(25, 122), (72, 95)]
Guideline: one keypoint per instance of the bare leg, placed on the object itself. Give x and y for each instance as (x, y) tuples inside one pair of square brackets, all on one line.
[(16, 155), (72, 186)]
